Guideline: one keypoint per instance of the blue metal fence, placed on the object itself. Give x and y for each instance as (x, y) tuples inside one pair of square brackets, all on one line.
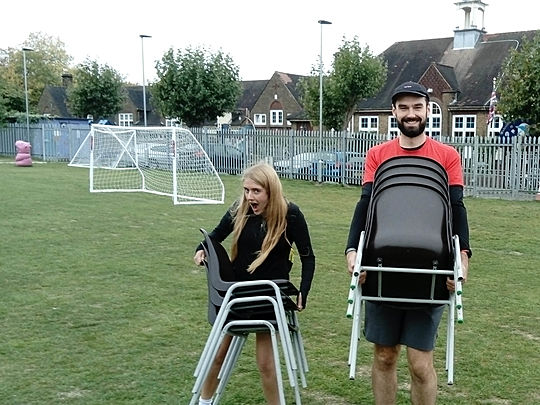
[(50, 142)]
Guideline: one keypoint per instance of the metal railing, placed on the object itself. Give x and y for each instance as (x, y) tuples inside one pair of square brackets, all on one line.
[(493, 166), (50, 142)]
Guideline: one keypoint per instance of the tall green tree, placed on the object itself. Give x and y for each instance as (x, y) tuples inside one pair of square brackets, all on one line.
[(356, 74), (196, 85), (3, 105), (97, 90), (519, 85), (45, 64)]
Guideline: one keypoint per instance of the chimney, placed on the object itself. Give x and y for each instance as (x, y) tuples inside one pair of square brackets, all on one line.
[(67, 79)]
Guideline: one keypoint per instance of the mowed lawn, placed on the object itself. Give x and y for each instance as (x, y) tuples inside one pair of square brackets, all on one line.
[(101, 303)]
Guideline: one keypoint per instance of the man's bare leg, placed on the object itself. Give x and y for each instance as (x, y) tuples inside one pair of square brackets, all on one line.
[(423, 377), (384, 374)]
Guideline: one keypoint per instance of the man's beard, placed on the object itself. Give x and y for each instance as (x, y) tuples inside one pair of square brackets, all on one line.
[(412, 132)]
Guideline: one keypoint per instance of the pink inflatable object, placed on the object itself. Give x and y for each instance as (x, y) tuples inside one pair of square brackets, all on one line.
[(23, 158)]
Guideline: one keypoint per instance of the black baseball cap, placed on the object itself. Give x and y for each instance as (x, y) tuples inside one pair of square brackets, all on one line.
[(410, 88)]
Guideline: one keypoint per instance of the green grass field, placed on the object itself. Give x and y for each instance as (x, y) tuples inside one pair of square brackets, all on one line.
[(100, 302)]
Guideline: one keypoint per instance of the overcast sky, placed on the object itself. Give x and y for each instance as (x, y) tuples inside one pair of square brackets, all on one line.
[(260, 36)]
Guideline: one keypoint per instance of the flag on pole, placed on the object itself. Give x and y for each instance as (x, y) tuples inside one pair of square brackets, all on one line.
[(492, 103)]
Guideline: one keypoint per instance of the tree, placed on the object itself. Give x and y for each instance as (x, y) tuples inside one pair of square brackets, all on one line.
[(97, 90), (44, 66), (3, 104), (519, 85), (356, 74), (196, 85)]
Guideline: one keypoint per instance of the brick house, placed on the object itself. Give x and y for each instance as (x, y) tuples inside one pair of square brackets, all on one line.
[(271, 104), (458, 71), (268, 104)]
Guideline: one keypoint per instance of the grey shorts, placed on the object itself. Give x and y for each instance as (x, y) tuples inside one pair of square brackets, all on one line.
[(389, 325)]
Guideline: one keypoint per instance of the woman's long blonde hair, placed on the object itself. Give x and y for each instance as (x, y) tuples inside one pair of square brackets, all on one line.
[(275, 213)]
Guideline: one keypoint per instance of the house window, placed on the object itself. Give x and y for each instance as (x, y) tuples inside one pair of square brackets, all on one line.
[(172, 122), (434, 121), (125, 119), (276, 117), (464, 125), (393, 130), (495, 125), (260, 119), (369, 124)]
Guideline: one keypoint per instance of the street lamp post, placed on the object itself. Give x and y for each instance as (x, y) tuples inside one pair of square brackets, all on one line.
[(24, 50), (321, 22), (143, 80)]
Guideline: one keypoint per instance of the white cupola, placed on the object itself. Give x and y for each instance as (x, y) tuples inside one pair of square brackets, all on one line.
[(470, 23)]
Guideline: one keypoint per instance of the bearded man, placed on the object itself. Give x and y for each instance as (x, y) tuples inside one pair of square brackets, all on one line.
[(388, 326)]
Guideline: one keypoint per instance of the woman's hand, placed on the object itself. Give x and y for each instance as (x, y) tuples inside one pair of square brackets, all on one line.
[(299, 303), (199, 257)]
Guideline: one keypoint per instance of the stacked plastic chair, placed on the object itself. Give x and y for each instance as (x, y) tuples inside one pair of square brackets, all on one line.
[(241, 308), (407, 247)]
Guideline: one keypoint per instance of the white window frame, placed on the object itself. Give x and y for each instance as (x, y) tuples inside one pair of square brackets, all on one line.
[(393, 130), (464, 125), (259, 119), (125, 119), (276, 117), (172, 122), (434, 121), (368, 123), (495, 125)]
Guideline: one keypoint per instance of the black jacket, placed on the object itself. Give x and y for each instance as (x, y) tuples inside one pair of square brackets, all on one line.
[(277, 265)]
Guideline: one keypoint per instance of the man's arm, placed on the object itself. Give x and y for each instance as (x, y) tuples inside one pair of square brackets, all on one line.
[(358, 224), (460, 224), (460, 227)]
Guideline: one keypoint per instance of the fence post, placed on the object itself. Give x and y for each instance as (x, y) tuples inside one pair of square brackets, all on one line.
[(517, 167), (43, 154), (344, 150), (475, 152)]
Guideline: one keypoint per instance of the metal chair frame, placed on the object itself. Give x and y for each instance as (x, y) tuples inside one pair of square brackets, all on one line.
[(356, 298), (409, 176), (243, 309)]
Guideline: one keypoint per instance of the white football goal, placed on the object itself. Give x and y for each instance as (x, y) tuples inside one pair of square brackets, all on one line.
[(160, 160)]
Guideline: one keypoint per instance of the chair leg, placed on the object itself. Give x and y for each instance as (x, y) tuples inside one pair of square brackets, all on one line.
[(450, 341), (275, 350), (210, 350), (300, 340), (298, 347), (237, 345), (297, 350), (355, 333)]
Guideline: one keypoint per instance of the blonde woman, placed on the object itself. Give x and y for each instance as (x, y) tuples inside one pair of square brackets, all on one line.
[(264, 227)]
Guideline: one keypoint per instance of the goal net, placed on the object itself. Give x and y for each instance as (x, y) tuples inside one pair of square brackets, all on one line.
[(160, 160)]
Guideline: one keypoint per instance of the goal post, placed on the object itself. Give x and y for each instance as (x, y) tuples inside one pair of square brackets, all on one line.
[(159, 160)]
